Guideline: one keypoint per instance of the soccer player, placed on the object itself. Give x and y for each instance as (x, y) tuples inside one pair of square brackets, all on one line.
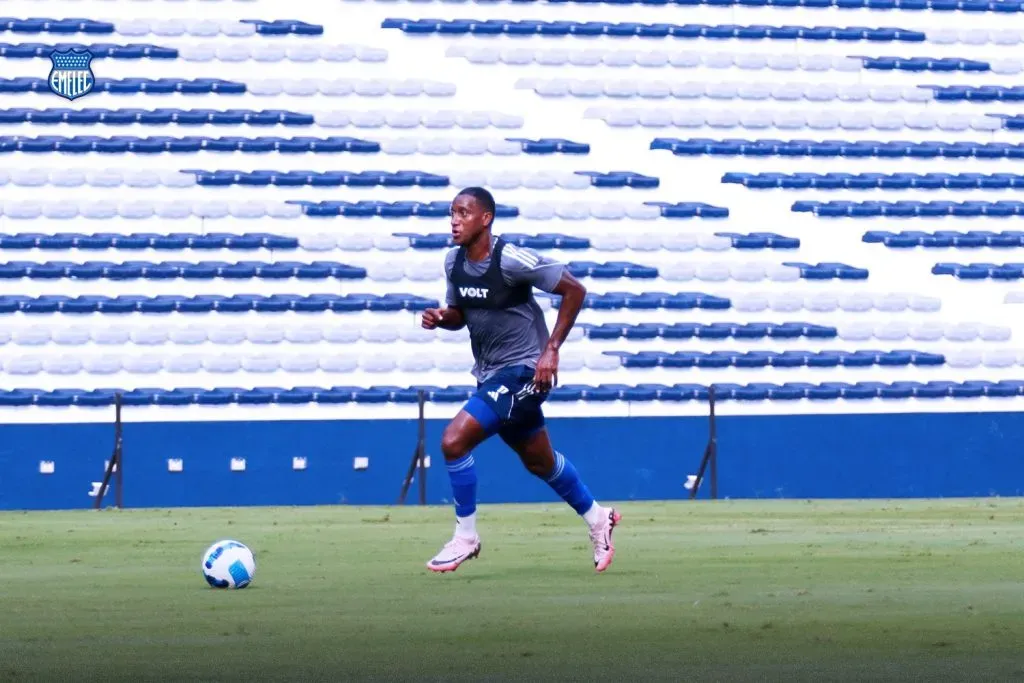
[(490, 291)]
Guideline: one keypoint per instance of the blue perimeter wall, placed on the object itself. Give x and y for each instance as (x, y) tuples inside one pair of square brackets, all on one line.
[(636, 458)]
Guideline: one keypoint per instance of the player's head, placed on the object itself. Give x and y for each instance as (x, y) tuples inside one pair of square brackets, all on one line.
[(472, 214)]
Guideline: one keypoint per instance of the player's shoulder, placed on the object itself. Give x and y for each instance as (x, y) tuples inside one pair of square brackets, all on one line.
[(516, 258), (449, 259)]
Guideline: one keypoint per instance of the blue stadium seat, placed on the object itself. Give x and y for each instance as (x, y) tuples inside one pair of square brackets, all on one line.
[(925, 64), (717, 330), (626, 29), (551, 146), (828, 271), (871, 181), (280, 27), (910, 208), (136, 241), (321, 178), (980, 271), (981, 93), (621, 179), (945, 239), (760, 240), (400, 209), (615, 269), (49, 25), (860, 149), (540, 241), (1002, 6), (19, 241), (690, 210), (98, 50), (212, 303)]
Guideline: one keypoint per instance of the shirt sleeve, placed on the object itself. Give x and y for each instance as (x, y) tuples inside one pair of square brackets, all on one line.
[(520, 265), (449, 262)]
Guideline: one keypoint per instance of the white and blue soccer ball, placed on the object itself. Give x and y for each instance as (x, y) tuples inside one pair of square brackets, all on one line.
[(229, 564)]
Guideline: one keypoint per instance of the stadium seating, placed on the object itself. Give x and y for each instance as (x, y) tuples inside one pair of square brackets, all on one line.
[(251, 209)]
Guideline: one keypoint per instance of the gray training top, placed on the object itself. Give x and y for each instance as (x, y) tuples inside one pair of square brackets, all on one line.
[(511, 336)]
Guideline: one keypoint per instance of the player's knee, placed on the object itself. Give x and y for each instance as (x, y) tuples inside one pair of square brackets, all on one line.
[(453, 445)]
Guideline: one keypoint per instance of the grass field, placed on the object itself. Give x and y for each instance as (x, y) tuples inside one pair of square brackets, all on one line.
[(710, 591)]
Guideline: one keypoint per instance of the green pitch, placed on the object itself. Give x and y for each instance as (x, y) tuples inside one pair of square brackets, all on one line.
[(726, 591)]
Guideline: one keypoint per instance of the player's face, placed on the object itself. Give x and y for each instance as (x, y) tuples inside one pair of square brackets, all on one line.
[(468, 219)]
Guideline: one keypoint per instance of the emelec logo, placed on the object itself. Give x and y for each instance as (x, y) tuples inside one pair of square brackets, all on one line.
[(474, 292)]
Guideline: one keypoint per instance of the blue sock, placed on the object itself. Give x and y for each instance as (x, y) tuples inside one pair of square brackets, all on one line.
[(462, 473), (566, 483)]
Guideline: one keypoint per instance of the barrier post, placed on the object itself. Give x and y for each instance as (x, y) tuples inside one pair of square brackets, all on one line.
[(115, 466), (418, 456), (710, 453)]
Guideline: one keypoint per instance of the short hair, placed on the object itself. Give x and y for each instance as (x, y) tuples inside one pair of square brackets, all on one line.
[(483, 196)]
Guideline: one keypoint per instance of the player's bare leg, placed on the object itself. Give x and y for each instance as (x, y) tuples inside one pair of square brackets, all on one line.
[(461, 436), (538, 456)]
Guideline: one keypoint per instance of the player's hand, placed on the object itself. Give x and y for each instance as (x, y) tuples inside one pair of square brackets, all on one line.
[(431, 318), (546, 375)]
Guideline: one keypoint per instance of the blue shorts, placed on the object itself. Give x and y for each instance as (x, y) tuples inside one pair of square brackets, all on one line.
[(506, 405)]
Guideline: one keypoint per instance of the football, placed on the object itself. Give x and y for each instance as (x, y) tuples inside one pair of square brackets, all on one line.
[(229, 564)]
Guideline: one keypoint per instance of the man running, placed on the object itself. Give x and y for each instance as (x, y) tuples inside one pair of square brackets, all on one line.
[(490, 290)]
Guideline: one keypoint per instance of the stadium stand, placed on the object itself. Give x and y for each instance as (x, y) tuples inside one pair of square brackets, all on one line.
[(252, 211)]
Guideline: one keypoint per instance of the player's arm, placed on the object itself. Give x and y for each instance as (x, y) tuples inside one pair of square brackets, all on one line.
[(573, 294), (526, 266), (450, 317)]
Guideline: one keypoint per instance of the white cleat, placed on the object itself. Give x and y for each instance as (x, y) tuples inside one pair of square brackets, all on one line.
[(601, 537), (454, 553)]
